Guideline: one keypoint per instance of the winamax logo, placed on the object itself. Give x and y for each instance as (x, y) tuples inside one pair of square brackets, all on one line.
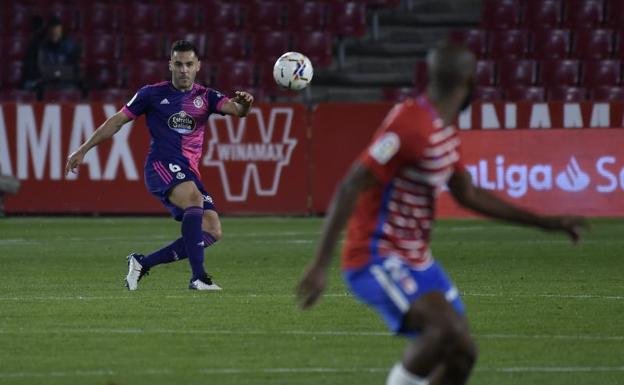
[(602, 176), (251, 155)]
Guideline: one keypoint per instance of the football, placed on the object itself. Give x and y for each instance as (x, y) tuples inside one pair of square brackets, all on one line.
[(293, 71)]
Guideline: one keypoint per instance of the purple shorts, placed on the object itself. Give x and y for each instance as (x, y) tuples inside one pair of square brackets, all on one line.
[(162, 176)]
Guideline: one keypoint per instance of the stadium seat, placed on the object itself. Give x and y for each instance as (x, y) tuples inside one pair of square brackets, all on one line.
[(509, 44), (567, 94), (593, 43), (607, 93), (66, 13), (619, 45), (306, 16), (146, 72), (543, 13), (140, 17), (474, 39), (517, 72), (270, 45), (15, 47), (145, 46), (551, 44), (204, 75), (62, 96), (221, 16), (583, 13), (614, 14), (103, 74), (101, 47), (17, 96), (19, 18), (227, 45), (316, 45), (530, 94), (501, 14), (234, 75), (560, 72), (488, 94), (399, 94), (180, 17), (99, 17), (266, 15), (110, 95), (12, 74), (602, 73), (486, 73), (347, 18)]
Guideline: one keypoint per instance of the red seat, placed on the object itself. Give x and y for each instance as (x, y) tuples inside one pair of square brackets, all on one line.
[(509, 44), (110, 95), (12, 74), (146, 72), (488, 94), (602, 73), (399, 94), (560, 72), (66, 13), (19, 17), (221, 16), (501, 14), (583, 13), (204, 75), (567, 94), (270, 45), (614, 13), (543, 13), (531, 94), (15, 47), (140, 17), (267, 83), (104, 74), (347, 18), (234, 76), (316, 45), (306, 15), (551, 43), (180, 17), (145, 46), (267, 15), (99, 17), (606, 93), (619, 45), (62, 96), (486, 73), (517, 72), (227, 45), (474, 39), (593, 43), (18, 96), (101, 47)]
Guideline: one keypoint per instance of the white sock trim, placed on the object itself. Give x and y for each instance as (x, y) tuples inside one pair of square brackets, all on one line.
[(400, 376)]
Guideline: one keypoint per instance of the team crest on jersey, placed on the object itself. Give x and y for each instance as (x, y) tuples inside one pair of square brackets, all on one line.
[(181, 122), (198, 102)]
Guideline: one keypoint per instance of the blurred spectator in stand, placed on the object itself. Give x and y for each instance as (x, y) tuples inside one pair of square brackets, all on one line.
[(52, 60)]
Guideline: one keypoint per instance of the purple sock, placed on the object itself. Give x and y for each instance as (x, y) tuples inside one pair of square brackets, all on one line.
[(173, 252), (193, 239)]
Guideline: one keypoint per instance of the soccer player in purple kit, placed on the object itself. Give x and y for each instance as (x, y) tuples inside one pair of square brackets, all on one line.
[(176, 112)]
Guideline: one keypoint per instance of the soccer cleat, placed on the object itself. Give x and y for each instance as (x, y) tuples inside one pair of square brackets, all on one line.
[(135, 271), (203, 283)]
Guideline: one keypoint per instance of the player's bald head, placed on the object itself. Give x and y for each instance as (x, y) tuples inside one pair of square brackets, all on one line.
[(449, 66)]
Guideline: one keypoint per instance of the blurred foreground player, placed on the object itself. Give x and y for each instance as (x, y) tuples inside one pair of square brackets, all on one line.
[(177, 112), (389, 195)]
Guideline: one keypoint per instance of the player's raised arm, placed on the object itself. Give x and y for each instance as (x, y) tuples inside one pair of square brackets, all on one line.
[(484, 202), (313, 282), (239, 105), (105, 131)]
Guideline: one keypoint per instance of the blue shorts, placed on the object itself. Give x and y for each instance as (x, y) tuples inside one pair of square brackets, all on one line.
[(162, 176), (390, 287)]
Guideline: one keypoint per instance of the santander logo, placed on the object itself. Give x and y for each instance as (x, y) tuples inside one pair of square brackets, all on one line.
[(573, 178), (255, 150)]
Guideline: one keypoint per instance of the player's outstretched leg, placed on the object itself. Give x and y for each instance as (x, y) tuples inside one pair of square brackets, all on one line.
[(444, 353), (136, 271)]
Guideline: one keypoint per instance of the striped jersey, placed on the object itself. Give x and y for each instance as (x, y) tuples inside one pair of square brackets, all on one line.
[(413, 156), (176, 120)]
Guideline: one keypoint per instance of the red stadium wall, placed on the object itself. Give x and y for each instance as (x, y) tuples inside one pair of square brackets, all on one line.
[(284, 159)]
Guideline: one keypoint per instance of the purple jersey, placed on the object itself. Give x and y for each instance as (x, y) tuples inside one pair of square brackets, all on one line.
[(176, 120)]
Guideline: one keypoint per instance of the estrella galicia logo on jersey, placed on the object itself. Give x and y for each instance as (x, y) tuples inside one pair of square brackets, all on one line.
[(181, 122), (251, 155)]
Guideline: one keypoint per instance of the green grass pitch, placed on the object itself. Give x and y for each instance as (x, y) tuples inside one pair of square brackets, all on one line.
[(543, 311)]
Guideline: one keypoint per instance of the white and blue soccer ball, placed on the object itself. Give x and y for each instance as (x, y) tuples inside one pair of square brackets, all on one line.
[(293, 71)]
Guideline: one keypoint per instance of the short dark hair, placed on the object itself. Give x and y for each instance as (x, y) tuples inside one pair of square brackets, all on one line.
[(184, 46)]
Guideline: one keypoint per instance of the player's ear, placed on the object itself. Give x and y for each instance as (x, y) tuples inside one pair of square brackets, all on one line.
[(170, 66)]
